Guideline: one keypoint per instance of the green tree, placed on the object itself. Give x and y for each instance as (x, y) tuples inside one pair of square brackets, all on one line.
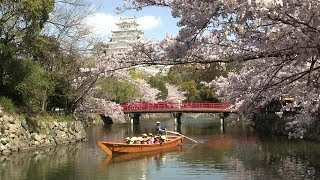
[(190, 76), (138, 74), (206, 93), (40, 57), (20, 22), (173, 78), (68, 93), (35, 87), (117, 90), (190, 87), (158, 83)]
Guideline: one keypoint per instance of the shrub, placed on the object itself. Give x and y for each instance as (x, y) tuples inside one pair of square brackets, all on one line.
[(7, 105), (55, 117), (65, 118)]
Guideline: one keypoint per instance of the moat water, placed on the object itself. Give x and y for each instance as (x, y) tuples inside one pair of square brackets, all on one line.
[(233, 153)]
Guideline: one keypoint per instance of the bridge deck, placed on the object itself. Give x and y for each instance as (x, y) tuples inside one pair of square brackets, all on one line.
[(198, 107)]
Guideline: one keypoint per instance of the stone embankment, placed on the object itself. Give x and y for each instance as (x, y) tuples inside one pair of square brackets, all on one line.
[(17, 134)]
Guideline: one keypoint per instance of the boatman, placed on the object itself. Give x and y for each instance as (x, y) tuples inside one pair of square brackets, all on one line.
[(159, 128)]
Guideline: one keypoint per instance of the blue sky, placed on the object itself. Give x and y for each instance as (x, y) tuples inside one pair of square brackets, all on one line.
[(156, 22)]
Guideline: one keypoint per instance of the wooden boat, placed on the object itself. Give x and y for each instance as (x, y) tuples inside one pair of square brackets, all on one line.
[(123, 148), (136, 156)]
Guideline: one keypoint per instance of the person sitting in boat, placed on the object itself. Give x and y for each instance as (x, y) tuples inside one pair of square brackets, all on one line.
[(145, 139), (134, 140), (150, 139), (156, 140), (139, 140), (128, 140), (159, 128), (163, 139)]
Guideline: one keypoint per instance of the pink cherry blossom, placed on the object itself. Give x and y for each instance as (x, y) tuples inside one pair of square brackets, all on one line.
[(175, 94)]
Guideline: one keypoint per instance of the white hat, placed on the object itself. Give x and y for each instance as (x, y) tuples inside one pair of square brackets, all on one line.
[(163, 137), (150, 134), (144, 134), (134, 138), (158, 122), (128, 138)]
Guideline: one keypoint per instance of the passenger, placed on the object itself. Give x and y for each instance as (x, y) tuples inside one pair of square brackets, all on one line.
[(139, 140), (128, 140), (144, 139), (163, 139), (134, 140), (150, 139), (156, 140), (159, 128)]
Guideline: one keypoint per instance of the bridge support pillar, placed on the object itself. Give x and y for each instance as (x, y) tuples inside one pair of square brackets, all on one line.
[(177, 118), (222, 125), (134, 118), (177, 128), (223, 116)]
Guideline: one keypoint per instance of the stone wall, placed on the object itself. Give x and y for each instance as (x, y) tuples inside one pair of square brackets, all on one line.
[(16, 134), (91, 120)]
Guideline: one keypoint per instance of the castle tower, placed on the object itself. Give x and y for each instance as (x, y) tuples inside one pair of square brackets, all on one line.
[(126, 33)]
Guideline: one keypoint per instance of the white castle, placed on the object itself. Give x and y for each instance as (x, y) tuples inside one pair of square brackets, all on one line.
[(126, 33)]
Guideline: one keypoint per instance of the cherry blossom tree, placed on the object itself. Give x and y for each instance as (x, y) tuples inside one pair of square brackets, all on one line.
[(147, 93), (275, 41), (100, 65), (103, 107), (175, 94), (105, 65)]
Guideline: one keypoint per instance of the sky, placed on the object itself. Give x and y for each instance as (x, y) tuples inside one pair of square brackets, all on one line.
[(155, 22)]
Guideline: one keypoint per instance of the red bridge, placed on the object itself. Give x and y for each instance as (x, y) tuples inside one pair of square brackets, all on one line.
[(177, 109), (192, 107), (136, 109)]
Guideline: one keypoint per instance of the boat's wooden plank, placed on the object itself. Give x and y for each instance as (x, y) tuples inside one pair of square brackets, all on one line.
[(104, 148)]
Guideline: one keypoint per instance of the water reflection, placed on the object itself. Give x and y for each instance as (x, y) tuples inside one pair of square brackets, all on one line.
[(239, 153), (61, 162)]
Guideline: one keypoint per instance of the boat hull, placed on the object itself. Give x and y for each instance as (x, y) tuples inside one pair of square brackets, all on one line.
[(123, 148)]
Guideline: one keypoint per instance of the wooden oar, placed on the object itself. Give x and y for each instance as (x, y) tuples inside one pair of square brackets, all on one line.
[(183, 136)]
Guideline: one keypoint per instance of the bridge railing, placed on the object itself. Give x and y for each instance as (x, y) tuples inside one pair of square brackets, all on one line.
[(170, 106)]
